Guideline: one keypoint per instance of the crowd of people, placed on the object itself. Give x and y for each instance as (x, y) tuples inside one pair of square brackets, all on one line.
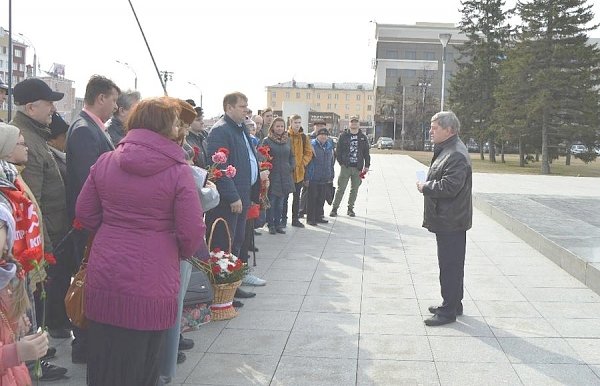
[(124, 181)]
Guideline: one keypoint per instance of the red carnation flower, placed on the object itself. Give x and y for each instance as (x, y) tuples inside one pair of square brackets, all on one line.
[(223, 150), (217, 174), (77, 225), (217, 250), (266, 165), (196, 152), (49, 257), (216, 270)]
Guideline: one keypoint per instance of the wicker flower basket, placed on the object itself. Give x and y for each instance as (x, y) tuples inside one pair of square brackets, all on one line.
[(222, 307)]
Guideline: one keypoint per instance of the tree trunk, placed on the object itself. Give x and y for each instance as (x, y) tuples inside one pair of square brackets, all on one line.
[(481, 154), (502, 153), (521, 153), (492, 142), (568, 156), (545, 161)]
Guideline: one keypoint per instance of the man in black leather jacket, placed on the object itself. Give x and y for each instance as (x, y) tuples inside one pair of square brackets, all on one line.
[(448, 211)]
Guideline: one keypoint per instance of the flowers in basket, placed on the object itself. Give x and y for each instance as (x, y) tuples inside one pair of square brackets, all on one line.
[(265, 166), (218, 169), (221, 267)]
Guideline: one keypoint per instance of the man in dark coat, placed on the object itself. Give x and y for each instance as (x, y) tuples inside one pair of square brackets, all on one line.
[(238, 192), (87, 139), (448, 211), (115, 126)]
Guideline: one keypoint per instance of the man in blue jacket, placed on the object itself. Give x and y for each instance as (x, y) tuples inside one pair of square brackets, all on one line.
[(239, 192), (87, 139)]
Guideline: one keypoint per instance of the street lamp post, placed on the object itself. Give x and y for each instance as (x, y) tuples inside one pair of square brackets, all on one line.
[(199, 89), (34, 53), (167, 76), (444, 39), (132, 70), (394, 110), (403, 132)]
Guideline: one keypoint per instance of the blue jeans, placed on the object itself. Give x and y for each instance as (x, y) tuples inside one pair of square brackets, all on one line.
[(274, 212)]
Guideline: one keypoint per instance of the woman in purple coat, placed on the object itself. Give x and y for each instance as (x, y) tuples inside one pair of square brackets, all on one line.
[(142, 204)]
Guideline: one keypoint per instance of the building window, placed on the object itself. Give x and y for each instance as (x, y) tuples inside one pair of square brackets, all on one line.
[(287, 95), (319, 105), (347, 107), (369, 107), (297, 95), (358, 97), (369, 117), (409, 73), (335, 106), (357, 107), (411, 55), (274, 94), (428, 55), (328, 96), (307, 95), (391, 54), (347, 97), (318, 96), (273, 104), (346, 116), (18, 53), (15, 66), (328, 106), (4, 50), (392, 75), (337, 96), (369, 97)]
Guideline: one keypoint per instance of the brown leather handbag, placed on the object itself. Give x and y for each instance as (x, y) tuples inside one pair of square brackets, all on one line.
[(74, 300)]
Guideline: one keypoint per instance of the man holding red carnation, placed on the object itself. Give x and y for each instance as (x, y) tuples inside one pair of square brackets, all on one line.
[(230, 136)]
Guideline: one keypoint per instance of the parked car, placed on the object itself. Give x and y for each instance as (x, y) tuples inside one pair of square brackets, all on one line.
[(578, 149), (385, 143)]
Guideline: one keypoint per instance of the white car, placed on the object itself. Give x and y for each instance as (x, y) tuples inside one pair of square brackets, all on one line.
[(578, 149)]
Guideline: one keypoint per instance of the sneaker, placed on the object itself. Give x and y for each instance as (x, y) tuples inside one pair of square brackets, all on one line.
[(280, 230), (49, 372), (333, 213), (180, 357), (351, 213), (272, 230), (297, 223), (250, 279), (185, 343)]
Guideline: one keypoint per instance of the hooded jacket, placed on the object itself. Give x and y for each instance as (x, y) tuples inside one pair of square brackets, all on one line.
[(302, 149), (142, 203)]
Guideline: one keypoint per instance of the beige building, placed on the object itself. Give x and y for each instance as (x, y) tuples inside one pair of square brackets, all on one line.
[(343, 99)]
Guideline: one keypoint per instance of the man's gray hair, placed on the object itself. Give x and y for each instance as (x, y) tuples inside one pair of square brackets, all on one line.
[(128, 98), (447, 119)]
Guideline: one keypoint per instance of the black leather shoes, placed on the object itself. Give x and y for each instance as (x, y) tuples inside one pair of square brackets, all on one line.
[(240, 293), (297, 223), (322, 221), (313, 223), (51, 353), (459, 310), (439, 320), (180, 357), (280, 230), (185, 344), (333, 213), (237, 304), (351, 213)]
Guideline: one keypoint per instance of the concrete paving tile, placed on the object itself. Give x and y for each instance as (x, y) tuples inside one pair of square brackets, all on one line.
[(309, 263), (466, 349), (490, 293), (388, 372), (331, 304), (205, 335), (390, 306), (394, 347), (575, 295), (184, 370), (430, 291), (464, 326), (539, 350), (521, 327), (387, 290), (340, 324), (315, 371), (596, 370), (556, 374), (233, 369), (503, 309), (576, 328), (563, 280), (493, 281), (317, 344), (271, 302), (245, 341), (264, 320), (476, 374), (587, 349), (568, 310), (386, 277), (334, 288), (399, 267), (275, 287), (288, 274), (392, 324)]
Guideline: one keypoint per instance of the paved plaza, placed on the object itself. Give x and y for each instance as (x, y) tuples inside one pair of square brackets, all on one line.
[(345, 302)]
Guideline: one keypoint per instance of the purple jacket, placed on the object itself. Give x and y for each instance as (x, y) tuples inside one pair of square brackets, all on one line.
[(142, 202)]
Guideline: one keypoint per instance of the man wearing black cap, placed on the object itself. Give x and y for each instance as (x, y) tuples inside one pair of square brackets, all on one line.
[(3, 94), (57, 142), (35, 106), (353, 156)]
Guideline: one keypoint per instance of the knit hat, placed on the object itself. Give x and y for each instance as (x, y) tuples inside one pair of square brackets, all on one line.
[(187, 114), (9, 136), (7, 273), (58, 125)]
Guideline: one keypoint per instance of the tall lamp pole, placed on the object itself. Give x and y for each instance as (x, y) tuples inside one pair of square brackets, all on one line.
[(444, 39), (403, 132), (395, 114), (132, 70), (424, 86), (199, 89)]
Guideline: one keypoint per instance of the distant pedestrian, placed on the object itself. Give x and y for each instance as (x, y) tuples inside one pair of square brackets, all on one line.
[(196, 138), (352, 154), (303, 153), (448, 211), (115, 125), (318, 177), (57, 142)]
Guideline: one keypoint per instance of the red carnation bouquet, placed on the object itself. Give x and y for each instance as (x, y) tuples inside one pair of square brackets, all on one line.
[(265, 165), (218, 169), (221, 267)]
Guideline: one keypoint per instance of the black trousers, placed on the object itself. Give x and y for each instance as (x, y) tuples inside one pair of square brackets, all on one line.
[(59, 279), (295, 201), (247, 243), (451, 248), (315, 201), (237, 227), (303, 200)]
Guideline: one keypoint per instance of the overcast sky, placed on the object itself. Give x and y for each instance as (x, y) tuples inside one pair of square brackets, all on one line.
[(221, 46)]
